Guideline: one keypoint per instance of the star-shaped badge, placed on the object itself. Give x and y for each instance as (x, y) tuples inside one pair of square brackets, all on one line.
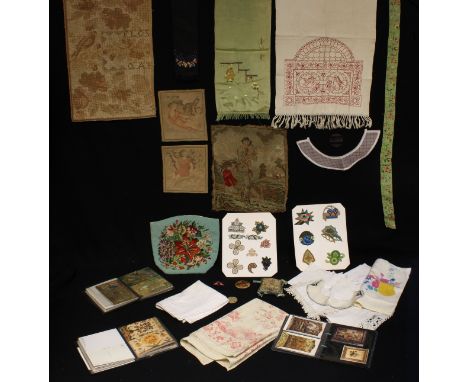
[(260, 227), (304, 217)]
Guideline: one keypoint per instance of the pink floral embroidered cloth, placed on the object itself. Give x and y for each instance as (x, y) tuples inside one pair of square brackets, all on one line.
[(236, 336)]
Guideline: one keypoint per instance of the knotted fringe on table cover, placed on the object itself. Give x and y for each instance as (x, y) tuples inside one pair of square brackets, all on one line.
[(185, 38), (324, 58), (321, 121), (242, 59)]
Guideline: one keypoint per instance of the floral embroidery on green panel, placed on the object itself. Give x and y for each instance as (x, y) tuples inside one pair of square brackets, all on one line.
[(185, 244)]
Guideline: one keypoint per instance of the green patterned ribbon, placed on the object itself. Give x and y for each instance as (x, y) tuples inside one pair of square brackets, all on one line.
[(386, 183)]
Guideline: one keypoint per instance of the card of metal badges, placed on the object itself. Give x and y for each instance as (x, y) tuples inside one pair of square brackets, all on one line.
[(249, 245)]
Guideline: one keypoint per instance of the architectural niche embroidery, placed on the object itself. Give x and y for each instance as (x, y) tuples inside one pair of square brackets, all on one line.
[(323, 71)]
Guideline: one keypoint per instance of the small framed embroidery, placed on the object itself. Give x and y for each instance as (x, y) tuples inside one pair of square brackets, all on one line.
[(352, 354), (320, 236), (185, 169), (182, 115)]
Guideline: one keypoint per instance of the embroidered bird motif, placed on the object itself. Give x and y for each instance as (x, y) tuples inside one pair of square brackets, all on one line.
[(85, 43)]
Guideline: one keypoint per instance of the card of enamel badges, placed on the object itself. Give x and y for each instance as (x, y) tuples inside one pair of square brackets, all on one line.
[(249, 245), (320, 236)]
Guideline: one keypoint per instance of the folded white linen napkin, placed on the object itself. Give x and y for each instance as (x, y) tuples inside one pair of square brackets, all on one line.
[(193, 303)]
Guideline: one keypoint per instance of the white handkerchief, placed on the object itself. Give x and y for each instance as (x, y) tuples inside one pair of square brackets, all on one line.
[(193, 303)]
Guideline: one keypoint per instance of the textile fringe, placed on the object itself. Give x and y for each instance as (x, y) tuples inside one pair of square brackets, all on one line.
[(371, 323), (310, 313), (321, 121), (227, 116)]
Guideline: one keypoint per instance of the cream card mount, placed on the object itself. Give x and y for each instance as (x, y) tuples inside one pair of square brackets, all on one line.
[(320, 236), (249, 245)]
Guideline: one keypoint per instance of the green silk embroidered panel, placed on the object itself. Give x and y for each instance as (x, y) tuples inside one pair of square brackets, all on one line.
[(242, 58)]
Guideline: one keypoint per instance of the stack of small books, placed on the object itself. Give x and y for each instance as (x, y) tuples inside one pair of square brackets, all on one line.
[(117, 292), (117, 347)]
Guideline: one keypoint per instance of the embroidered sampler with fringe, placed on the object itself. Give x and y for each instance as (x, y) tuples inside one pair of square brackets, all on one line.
[(242, 59), (324, 58), (110, 59)]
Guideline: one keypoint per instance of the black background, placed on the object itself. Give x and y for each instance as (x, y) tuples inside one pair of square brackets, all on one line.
[(106, 186)]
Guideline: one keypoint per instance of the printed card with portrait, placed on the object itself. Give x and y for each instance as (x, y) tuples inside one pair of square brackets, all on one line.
[(185, 169), (182, 115)]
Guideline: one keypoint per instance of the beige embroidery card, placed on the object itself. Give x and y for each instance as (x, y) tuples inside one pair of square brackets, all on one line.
[(185, 169), (110, 59), (182, 115)]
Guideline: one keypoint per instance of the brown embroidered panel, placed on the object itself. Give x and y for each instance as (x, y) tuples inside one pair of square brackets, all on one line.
[(185, 169), (182, 114), (250, 168), (110, 59)]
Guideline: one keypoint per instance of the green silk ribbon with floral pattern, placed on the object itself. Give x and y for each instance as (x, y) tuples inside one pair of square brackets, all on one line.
[(386, 173), (242, 58)]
